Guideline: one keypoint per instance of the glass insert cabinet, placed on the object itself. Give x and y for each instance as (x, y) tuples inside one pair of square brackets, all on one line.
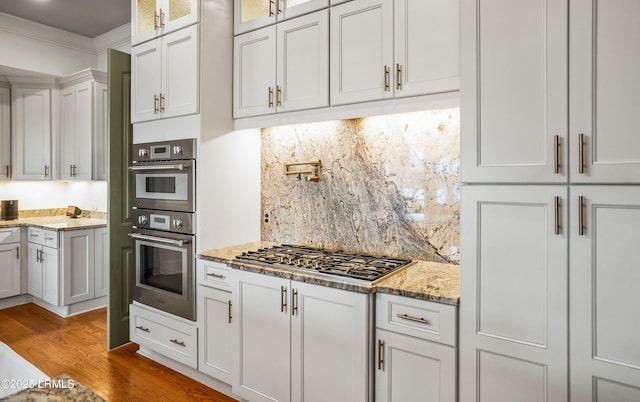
[(253, 14), (153, 18)]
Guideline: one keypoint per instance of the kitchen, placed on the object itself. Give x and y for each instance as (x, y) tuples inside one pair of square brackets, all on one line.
[(391, 184)]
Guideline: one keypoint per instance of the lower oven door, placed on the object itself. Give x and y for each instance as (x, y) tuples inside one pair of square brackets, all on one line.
[(164, 272)]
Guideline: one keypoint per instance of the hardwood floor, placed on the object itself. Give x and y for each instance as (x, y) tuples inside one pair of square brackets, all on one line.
[(77, 346)]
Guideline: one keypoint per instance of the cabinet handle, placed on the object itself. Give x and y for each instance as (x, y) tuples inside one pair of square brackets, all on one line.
[(216, 275), (34, 234), (556, 154), (162, 98), (7, 171), (75, 171), (398, 76), (161, 18), (70, 170), (294, 302), (271, 13), (415, 319), (581, 153), (17, 252), (155, 104), (380, 354), (156, 17), (386, 78), (283, 298), (556, 214), (581, 220), (278, 95), (177, 342), (141, 328), (270, 97), (229, 303), (278, 8), (46, 170)]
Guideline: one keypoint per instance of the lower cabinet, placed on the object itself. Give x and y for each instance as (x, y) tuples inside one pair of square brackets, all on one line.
[(78, 265), (42, 263), (416, 351), (298, 341), (9, 262)]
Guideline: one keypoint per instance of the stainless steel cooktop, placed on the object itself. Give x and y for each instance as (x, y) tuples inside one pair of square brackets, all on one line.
[(351, 267)]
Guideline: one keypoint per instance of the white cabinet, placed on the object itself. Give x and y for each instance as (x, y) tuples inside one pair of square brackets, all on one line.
[(31, 126), (77, 265), (604, 299), (216, 343), (286, 349), (101, 253), (9, 262), (283, 67), (165, 74), (382, 49), (416, 350), (42, 265), (5, 133), (514, 296), (152, 18), (252, 14), (604, 83)]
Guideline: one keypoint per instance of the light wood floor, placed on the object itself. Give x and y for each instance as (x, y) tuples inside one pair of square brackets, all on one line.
[(77, 346)]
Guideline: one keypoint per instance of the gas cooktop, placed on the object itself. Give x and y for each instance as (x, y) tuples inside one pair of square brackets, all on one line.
[(352, 267)]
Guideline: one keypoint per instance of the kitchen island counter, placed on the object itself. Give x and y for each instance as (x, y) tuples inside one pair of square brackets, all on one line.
[(56, 223), (423, 280)]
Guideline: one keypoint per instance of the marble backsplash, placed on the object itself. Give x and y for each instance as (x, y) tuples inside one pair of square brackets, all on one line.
[(388, 185)]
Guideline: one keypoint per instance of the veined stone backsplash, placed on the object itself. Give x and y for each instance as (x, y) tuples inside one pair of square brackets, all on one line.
[(388, 185)]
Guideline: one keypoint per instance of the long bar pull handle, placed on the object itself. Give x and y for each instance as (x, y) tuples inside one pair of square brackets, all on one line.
[(581, 153), (270, 97), (177, 342), (156, 19), (271, 13), (294, 302), (278, 8), (70, 170), (161, 18), (414, 319), (162, 98), (380, 354), (46, 170), (216, 275), (283, 298), (229, 311), (7, 171), (386, 78), (556, 214), (398, 76), (179, 166), (156, 109), (581, 220), (141, 328), (278, 95), (17, 252), (556, 154), (178, 243)]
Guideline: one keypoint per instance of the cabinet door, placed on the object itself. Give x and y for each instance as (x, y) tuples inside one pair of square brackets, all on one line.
[(31, 149), (303, 62), (411, 369), (180, 67), (329, 344), (293, 8), (604, 87), (50, 276), (5, 134), (252, 14), (34, 267), (262, 365), (101, 253), (216, 333), (254, 73), (100, 131), (514, 94), (427, 46), (152, 18), (145, 81), (67, 132), (78, 266), (361, 51), (76, 131), (9, 270), (605, 353), (177, 14), (513, 321)]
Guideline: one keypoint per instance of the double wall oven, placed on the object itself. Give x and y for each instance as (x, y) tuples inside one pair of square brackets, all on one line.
[(164, 225)]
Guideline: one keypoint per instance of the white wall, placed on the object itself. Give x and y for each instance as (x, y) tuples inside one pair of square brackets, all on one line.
[(41, 195)]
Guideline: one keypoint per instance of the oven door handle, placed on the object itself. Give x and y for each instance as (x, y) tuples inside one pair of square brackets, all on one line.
[(159, 167), (178, 243)]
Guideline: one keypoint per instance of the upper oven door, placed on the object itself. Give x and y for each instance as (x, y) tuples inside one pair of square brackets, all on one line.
[(164, 185)]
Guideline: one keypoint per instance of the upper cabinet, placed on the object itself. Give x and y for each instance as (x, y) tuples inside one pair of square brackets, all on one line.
[(31, 145), (5, 133), (153, 18), (253, 14), (165, 75), (282, 68)]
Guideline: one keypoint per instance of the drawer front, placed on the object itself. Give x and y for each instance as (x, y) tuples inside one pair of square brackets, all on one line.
[(214, 274), (9, 235), (422, 319), (164, 334), (44, 237)]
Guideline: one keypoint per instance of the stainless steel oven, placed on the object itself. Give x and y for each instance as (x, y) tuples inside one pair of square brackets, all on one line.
[(164, 175)]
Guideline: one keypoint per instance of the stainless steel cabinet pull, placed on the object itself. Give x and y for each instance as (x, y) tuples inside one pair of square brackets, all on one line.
[(7, 171), (278, 95), (46, 170), (386, 78), (71, 170), (17, 252), (581, 220), (216, 275), (34, 235), (271, 13), (229, 311), (180, 166), (581, 153), (178, 243), (155, 104), (283, 298), (161, 18), (278, 8), (294, 302), (556, 154), (177, 342), (156, 18), (141, 328), (398, 76), (270, 97), (380, 354), (415, 319), (556, 214), (162, 98)]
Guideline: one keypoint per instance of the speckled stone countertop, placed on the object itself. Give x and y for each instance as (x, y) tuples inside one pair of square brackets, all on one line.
[(62, 388), (56, 219), (423, 280)]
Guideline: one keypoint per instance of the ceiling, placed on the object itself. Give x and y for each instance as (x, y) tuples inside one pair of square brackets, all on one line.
[(88, 18)]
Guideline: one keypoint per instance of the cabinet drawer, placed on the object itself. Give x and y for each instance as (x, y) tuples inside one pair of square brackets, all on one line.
[(214, 274), (169, 336), (422, 319), (47, 238), (9, 235)]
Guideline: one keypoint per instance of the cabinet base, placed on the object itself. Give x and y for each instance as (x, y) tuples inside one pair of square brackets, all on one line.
[(73, 309), (15, 301)]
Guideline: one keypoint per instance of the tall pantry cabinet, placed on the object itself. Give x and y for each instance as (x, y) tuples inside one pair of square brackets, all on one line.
[(551, 204)]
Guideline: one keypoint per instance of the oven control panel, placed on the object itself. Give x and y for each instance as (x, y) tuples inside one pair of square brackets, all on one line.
[(167, 221), (164, 150)]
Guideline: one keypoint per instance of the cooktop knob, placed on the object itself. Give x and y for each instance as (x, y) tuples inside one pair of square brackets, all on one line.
[(142, 219)]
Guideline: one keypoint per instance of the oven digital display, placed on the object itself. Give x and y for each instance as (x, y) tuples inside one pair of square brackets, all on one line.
[(159, 222), (161, 184), (160, 152)]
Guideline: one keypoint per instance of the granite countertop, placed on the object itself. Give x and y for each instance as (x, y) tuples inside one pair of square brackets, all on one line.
[(423, 280), (58, 222)]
